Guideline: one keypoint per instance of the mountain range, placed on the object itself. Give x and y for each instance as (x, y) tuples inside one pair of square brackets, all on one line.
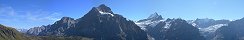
[(101, 23), (157, 27), (169, 29)]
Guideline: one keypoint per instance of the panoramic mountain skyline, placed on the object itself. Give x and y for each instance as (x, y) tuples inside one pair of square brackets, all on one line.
[(20, 14), (121, 20)]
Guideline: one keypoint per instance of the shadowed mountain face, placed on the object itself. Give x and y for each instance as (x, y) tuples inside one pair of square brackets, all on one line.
[(180, 30), (58, 28), (55, 29), (234, 31), (99, 23)]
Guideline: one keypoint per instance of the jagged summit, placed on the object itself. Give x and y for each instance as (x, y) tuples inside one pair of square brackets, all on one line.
[(155, 15), (104, 8), (151, 21), (67, 18), (101, 10)]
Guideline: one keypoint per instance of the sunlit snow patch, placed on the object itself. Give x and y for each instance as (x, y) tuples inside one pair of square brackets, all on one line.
[(212, 28), (148, 23), (167, 25), (106, 13)]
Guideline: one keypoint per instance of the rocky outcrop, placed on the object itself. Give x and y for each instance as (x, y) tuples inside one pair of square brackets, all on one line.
[(58, 28), (35, 30)]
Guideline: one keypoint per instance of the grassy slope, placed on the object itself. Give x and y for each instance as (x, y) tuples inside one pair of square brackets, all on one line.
[(7, 33)]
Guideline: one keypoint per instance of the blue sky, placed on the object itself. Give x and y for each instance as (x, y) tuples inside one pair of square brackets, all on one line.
[(33, 13)]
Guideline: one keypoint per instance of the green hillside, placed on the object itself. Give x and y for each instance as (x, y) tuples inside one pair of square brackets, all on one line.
[(7, 33)]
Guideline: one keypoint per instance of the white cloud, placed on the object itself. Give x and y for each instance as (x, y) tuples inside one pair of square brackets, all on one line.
[(42, 16), (9, 14), (7, 11)]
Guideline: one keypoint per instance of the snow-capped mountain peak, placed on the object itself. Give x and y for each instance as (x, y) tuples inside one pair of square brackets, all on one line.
[(155, 15), (104, 10), (151, 21)]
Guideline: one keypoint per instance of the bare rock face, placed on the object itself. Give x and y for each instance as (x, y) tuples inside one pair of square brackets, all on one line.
[(35, 30), (180, 30), (100, 23), (55, 29), (58, 28)]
